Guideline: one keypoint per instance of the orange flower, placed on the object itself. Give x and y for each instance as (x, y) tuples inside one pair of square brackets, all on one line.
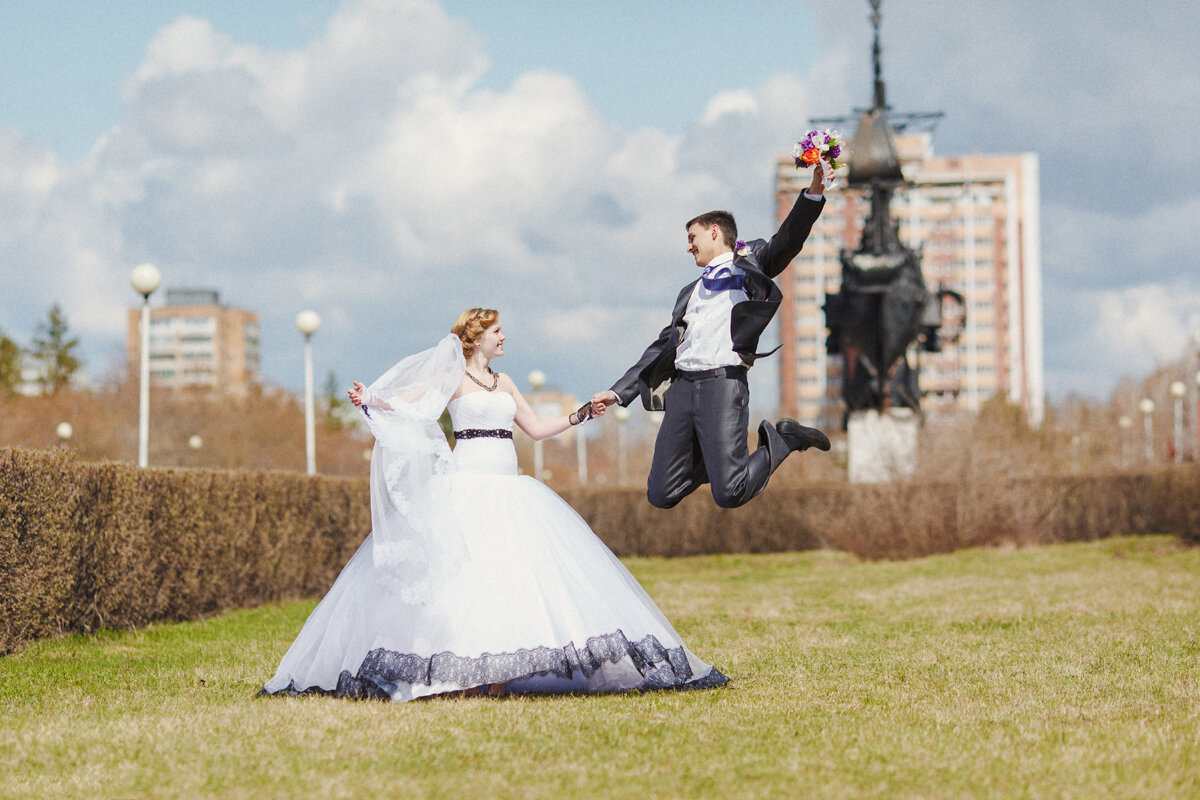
[(811, 156)]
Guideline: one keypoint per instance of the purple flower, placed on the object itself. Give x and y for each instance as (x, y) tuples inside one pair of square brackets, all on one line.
[(739, 245), (828, 144)]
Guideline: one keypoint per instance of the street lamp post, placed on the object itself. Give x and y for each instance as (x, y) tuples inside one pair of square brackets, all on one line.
[(144, 279), (1178, 390), (1195, 445), (1146, 406), (622, 414), (537, 379), (1126, 423), (307, 323), (195, 443)]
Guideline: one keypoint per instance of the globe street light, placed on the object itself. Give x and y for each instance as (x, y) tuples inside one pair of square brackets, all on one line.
[(537, 379), (1178, 390), (1146, 406), (64, 432), (195, 442), (307, 323), (144, 279), (622, 415)]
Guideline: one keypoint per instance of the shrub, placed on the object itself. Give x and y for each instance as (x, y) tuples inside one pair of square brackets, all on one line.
[(86, 546), (102, 545)]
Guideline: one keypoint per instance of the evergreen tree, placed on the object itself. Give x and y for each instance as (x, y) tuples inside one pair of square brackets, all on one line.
[(336, 403), (10, 365), (52, 346)]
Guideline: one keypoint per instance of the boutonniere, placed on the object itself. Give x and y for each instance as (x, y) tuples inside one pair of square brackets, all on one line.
[(739, 248)]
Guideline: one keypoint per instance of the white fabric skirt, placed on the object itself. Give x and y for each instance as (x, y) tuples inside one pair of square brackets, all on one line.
[(536, 602)]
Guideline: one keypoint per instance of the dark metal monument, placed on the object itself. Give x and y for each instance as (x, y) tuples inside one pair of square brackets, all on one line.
[(883, 306)]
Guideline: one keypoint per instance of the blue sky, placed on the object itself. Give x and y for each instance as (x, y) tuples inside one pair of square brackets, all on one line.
[(64, 60), (615, 51), (388, 163)]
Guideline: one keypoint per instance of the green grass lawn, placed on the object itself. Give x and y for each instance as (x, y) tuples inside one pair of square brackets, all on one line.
[(1066, 671)]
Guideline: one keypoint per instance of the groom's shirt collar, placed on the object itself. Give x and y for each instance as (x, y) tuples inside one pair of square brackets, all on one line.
[(721, 260)]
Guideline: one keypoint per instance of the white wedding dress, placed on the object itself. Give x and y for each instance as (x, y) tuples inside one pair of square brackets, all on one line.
[(525, 595)]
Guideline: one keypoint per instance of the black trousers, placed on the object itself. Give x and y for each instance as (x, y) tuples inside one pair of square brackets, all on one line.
[(703, 440)]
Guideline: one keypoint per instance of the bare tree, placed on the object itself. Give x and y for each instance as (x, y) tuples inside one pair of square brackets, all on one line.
[(337, 406)]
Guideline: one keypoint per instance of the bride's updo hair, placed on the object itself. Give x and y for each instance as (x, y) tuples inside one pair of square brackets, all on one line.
[(471, 324)]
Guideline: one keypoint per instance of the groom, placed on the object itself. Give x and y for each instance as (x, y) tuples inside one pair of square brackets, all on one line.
[(695, 370)]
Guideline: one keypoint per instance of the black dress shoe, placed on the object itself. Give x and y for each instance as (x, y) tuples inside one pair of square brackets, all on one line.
[(799, 437)]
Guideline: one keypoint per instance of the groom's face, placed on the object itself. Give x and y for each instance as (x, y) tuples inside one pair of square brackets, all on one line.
[(704, 244)]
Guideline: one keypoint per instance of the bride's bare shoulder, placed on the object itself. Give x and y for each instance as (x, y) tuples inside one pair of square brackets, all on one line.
[(508, 385)]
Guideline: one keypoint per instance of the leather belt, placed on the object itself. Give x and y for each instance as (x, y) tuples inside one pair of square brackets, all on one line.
[(719, 372)]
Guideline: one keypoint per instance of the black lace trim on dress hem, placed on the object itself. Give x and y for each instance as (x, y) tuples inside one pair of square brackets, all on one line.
[(383, 671)]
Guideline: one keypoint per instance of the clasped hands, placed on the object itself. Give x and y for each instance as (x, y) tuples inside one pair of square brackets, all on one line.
[(602, 400)]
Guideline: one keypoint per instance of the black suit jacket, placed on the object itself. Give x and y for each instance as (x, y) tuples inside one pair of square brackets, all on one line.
[(761, 260)]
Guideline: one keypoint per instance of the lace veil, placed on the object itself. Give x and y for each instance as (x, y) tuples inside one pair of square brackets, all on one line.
[(414, 531)]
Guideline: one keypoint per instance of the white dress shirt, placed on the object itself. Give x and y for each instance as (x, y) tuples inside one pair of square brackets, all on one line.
[(707, 339)]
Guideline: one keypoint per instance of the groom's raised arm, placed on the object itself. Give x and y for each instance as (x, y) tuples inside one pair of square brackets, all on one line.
[(794, 230)]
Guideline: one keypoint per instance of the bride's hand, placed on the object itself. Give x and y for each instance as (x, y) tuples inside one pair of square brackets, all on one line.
[(356, 393)]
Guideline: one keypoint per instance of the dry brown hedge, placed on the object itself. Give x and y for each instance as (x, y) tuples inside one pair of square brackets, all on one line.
[(903, 520), (86, 546), (101, 545)]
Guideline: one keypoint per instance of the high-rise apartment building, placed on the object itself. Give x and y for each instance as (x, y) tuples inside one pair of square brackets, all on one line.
[(196, 343), (975, 218)]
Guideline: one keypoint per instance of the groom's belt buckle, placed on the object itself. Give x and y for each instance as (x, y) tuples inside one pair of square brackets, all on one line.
[(719, 372)]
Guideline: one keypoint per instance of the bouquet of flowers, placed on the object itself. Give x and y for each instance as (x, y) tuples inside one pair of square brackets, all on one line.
[(820, 147)]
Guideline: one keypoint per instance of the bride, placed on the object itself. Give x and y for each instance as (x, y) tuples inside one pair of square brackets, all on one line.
[(474, 577)]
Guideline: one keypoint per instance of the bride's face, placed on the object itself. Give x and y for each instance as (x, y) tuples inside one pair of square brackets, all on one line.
[(491, 344)]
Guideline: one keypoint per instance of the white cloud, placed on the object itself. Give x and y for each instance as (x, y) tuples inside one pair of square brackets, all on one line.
[(1146, 325), (739, 102), (368, 175)]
